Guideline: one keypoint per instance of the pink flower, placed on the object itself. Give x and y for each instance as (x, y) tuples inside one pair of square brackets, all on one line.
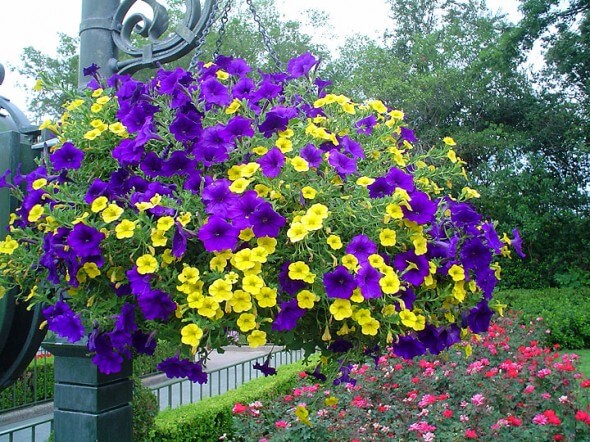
[(464, 418), (282, 424), (529, 389), (543, 373), (546, 396), (478, 399), (428, 437), (540, 419)]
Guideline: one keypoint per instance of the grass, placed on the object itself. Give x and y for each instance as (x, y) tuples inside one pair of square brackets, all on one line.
[(584, 361)]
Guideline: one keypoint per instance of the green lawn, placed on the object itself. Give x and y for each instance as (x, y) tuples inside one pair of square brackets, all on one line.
[(584, 361)]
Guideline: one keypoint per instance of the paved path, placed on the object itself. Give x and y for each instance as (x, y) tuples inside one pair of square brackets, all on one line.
[(226, 372)]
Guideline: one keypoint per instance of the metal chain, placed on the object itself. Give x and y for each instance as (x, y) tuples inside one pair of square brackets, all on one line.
[(224, 20), (201, 41), (265, 37)]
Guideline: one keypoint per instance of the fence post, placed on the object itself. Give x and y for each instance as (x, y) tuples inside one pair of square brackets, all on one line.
[(89, 405)]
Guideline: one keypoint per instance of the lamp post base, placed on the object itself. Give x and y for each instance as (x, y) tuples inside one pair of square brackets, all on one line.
[(89, 406)]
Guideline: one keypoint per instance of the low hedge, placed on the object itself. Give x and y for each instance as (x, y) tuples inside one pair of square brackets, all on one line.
[(210, 418), (566, 312)]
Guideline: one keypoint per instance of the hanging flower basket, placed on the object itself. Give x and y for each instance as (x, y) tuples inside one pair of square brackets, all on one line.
[(194, 206)]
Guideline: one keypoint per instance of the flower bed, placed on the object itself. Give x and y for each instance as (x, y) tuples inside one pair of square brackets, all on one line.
[(505, 386)]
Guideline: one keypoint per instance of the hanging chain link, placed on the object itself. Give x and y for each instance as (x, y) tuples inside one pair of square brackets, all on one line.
[(265, 37), (201, 41), (224, 20)]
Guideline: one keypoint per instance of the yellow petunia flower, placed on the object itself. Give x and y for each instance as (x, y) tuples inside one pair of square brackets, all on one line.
[(191, 334), (146, 264), (256, 339)]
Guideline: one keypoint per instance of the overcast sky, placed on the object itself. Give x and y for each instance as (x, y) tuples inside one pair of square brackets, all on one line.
[(36, 23)]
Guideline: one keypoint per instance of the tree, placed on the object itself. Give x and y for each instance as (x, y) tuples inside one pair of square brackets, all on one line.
[(60, 76)]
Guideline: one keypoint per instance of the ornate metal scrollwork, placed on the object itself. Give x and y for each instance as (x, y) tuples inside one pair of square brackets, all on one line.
[(155, 51)]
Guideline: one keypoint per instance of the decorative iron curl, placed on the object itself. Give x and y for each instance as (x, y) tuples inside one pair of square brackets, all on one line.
[(157, 51)]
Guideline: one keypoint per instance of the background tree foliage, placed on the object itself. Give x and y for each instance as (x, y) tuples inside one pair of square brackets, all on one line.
[(456, 69)]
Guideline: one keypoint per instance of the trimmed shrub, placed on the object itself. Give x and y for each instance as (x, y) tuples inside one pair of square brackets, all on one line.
[(566, 312), (210, 418)]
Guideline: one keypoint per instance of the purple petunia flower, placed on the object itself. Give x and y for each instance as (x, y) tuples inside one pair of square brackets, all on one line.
[(218, 198), (267, 90), (380, 188), (62, 320), (322, 86), (517, 243), (97, 188), (341, 163), (277, 120), (185, 128), (479, 317), (398, 178), (365, 126), (156, 304), (183, 368), (407, 134), (475, 254), (218, 235), (266, 222), (288, 316), (243, 88), (106, 357), (67, 157), (486, 281), (351, 147), (144, 343), (463, 214), (214, 92), (312, 155), (151, 165), (84, 240), (362, 247), (339, 283), (265, 368), (239, 126), (128, 152), (423, 208), (179, 241), (301, 65), (492, 237), (272, 162), (408, 347), (413, 268), (368, 282)]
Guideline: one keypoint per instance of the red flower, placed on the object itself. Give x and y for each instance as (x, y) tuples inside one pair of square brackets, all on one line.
[(513, 421), (585, 383), (583, 416), (447, 413), (470, 434), (558, 437), (239, 408), (552, 418)]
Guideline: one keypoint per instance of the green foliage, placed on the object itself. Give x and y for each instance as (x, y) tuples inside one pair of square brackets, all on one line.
[(145, 410), (60, 73), (210, 418), (35, 385), (566, 313)]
